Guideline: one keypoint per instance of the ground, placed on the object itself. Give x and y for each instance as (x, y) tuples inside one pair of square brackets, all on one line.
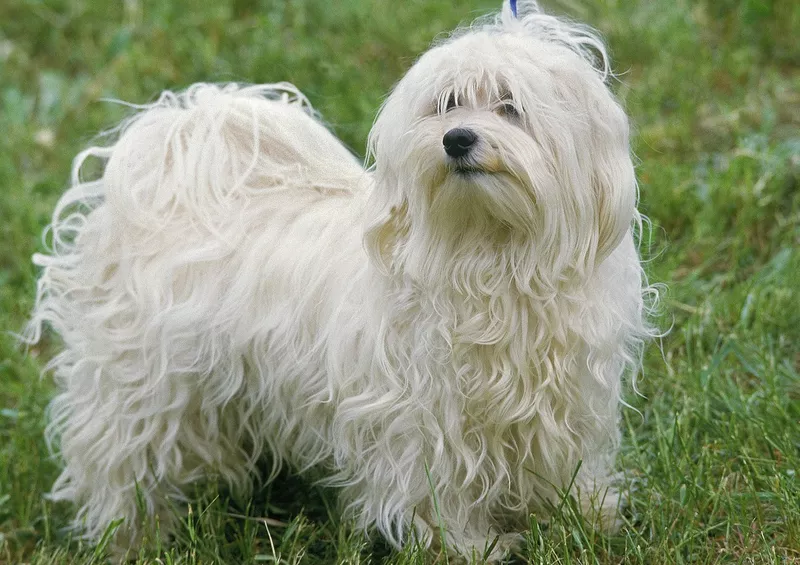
[(711, 445)]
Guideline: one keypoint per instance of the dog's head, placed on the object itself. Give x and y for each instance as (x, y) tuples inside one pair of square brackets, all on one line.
[(505, 129)]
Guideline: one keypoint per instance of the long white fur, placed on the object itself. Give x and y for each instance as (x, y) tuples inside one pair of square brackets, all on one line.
[(450, 349)]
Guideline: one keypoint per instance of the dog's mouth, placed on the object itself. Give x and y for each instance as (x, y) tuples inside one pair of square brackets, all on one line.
[(466, 169)]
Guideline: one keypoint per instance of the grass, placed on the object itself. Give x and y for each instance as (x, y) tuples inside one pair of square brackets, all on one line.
[(712, 449)]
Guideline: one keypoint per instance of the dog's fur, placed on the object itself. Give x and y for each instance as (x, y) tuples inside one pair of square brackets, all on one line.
[(446, 338)]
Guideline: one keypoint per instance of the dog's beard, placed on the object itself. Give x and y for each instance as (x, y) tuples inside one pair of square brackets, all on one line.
[(483, 188), (476, 196)]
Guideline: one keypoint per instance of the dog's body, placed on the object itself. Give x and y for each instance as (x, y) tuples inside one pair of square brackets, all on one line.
[(217, 300)]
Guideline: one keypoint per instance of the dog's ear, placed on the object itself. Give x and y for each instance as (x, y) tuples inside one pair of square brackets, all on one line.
[(613, 182), (615, 191), (387, 211), (613, 177), (387, 230)]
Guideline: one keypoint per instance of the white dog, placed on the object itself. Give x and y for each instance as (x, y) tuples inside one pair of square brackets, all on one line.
[(446, 333)]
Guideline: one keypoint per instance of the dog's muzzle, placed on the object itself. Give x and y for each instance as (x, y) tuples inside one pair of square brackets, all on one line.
[(458, 141)]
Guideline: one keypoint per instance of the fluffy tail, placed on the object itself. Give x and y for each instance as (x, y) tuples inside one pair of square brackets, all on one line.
[(140, 259)]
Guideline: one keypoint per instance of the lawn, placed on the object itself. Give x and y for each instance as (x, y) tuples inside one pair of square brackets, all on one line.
[(711, 447)]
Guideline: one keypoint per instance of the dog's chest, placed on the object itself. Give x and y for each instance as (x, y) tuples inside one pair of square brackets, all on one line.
[(489, 346)]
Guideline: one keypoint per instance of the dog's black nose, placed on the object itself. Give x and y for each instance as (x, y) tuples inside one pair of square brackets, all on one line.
[(457, 141)]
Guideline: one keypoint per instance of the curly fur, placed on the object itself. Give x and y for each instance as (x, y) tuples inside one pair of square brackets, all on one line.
[(449, 346)]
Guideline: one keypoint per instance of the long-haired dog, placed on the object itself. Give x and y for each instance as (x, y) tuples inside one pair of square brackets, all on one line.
[(445, 333)]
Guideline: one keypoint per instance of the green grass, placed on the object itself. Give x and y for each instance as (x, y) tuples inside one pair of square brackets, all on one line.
[(712, 455)]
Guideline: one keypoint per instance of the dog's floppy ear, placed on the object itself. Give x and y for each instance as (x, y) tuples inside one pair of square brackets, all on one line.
[(384, 233), (613, 181), (613, 177), (615, 190), (387, 209)]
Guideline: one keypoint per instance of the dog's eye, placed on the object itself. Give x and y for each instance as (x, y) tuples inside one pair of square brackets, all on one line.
[(508, 109), (451, 102)]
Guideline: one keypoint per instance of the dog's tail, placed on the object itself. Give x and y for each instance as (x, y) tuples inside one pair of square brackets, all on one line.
[(197, 156), (212, 145)]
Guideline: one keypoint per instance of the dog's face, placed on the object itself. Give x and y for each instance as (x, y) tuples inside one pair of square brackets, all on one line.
[(508, 128)]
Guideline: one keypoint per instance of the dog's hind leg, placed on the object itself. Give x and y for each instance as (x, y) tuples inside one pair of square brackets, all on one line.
[(131, 445), (118, 444)]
